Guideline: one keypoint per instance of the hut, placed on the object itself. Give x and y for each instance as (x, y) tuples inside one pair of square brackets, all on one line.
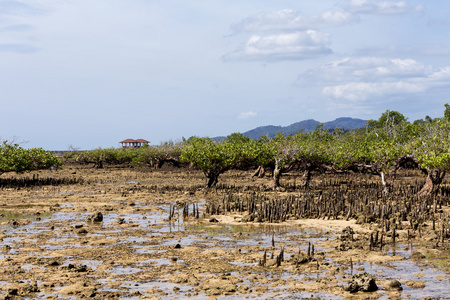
[(130, 143)]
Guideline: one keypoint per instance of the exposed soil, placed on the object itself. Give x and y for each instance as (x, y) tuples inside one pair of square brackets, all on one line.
[(153, 240)]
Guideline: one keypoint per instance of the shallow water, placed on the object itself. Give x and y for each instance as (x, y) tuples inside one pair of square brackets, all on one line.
[(152, 226), (406, 270)]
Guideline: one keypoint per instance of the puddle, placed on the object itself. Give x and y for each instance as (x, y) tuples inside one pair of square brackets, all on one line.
[(64, 246), (323, 296), (243, 264), (404, 271), (123, 270), (68, 216), (93, 264), (158, 261), (27, 267), (171, 290), (145, 250), (6, 215)]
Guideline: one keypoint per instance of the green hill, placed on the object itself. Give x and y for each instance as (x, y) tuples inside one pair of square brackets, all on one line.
[(306, 125)]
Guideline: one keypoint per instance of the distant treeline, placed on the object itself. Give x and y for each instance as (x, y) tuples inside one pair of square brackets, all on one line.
[(382, 147)]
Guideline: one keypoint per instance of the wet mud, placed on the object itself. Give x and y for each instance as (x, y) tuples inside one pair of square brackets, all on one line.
[(123, 233)]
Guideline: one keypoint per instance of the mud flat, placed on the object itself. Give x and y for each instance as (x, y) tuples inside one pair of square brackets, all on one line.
[(122, 233)]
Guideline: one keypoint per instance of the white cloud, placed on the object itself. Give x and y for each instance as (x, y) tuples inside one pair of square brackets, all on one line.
[(287, 46), (403, 50), (363, 78), (288, 35), (247, 115), (335, 18), (280, 35), (367, 68), (361, 91), (290, 20), (381, 7)]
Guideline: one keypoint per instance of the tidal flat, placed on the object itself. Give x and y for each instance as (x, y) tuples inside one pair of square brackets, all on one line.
[(135, 233)]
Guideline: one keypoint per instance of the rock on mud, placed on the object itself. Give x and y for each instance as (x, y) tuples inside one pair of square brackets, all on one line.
[(362, 282), (248, 218), (420, 284), (300, 258), (183, 278), (218, 286), (80, 289), (20, 289), (97, 217), (417, 256), (347, 234), (394, 285), (74, 268)]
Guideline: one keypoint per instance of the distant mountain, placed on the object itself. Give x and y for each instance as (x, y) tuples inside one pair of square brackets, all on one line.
[(345, 123), (306, 125), (271, 131)]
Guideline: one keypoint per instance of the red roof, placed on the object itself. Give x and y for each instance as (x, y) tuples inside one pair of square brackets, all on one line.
[(142, 141), (128, 141), (134, 141)]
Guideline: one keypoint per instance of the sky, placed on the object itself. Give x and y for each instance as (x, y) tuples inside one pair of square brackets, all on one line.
[(84, 74)]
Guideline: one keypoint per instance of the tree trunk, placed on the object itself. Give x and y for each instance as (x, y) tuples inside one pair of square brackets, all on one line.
[(387, 176), (275, 183), (175, 162), (260, 172), (213, 177), (212, 180), (158, 163), (434, 179), (151, 164), (387, 182), (306, 178)]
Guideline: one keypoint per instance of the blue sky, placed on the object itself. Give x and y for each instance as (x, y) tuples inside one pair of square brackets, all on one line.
[(90, 73)]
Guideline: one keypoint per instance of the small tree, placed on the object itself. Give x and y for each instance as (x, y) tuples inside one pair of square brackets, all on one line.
[(263, 154), (306, 151), (388, 120), (314, 152), (447, 111), (382, 149), (215, 158), (432, 151), (16, 159), (282, 151), (157, 156)]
